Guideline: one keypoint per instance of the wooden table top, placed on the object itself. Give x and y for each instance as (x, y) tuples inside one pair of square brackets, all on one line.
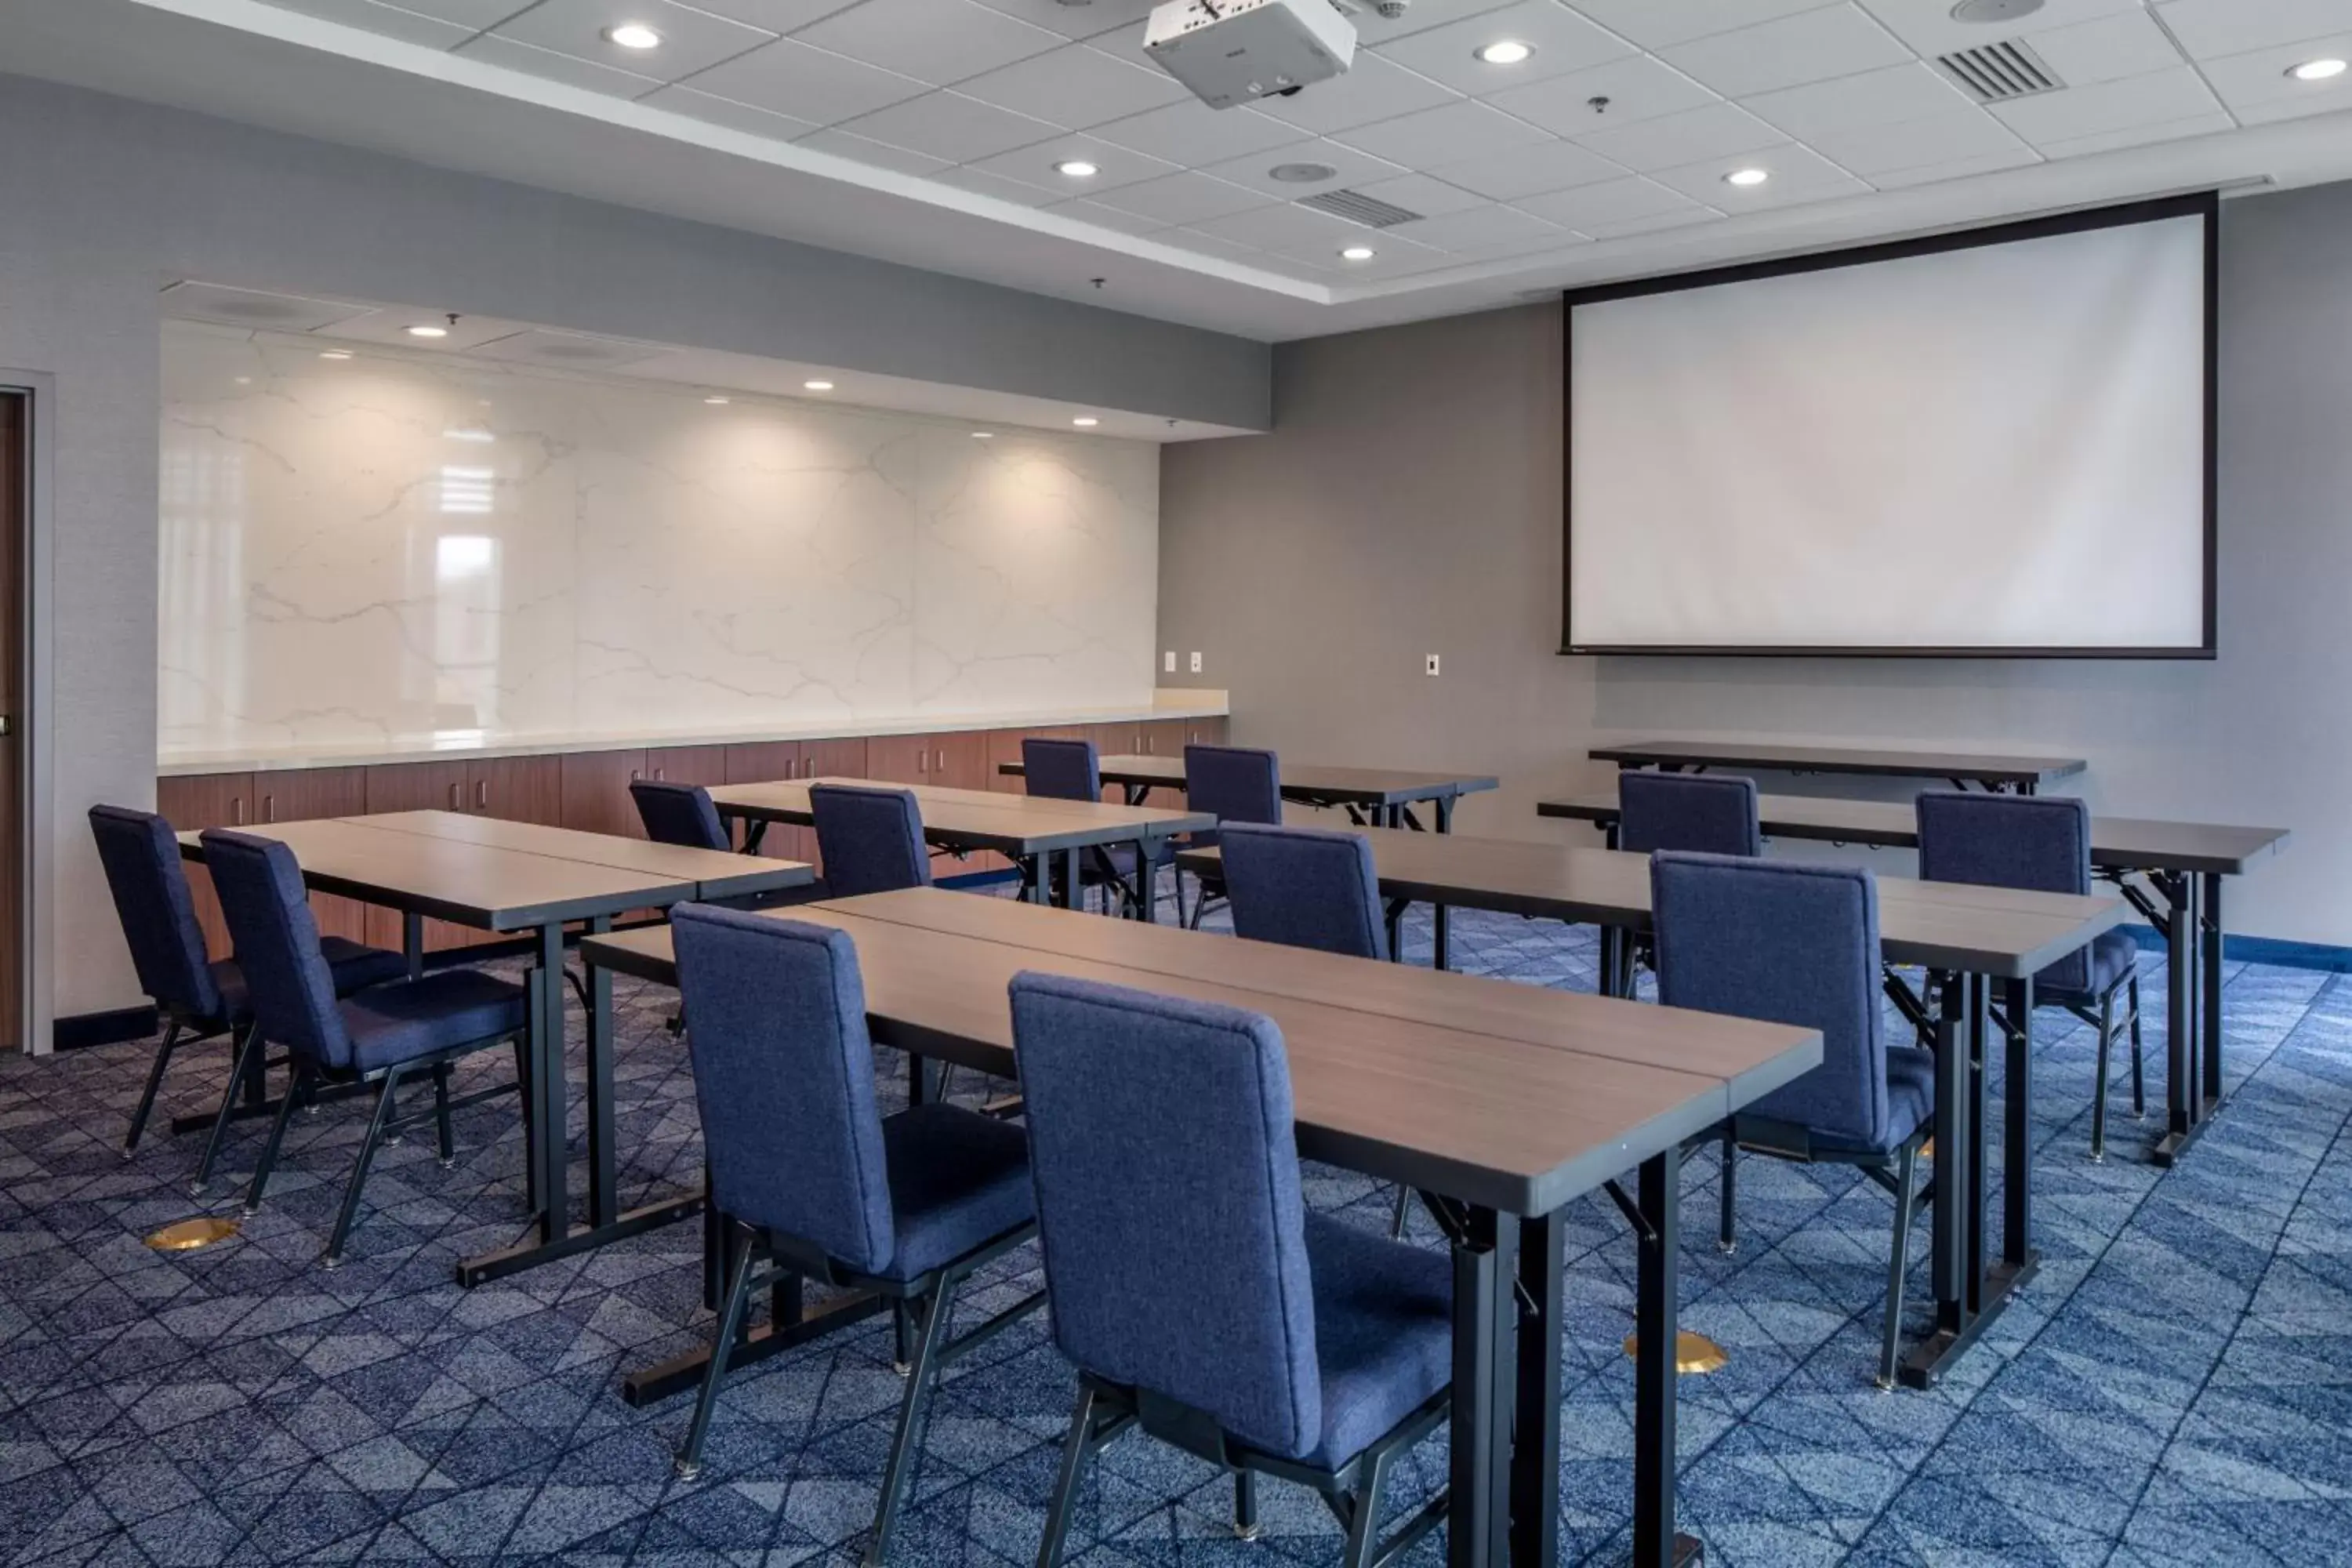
[(1013, 825), (2117, 843), (1986, 767), (1997, 931), (1518, 1125), (715, 873), (1320, 786), (472, 884)]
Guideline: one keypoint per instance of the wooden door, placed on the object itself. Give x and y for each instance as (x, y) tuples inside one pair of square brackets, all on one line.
[(595, 787), (517, 789), (305, 794), (418, 786), (16, 496), (206, 800)]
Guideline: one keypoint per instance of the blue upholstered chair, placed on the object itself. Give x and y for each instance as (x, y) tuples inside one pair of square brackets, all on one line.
[(378, 1036), (1305, 887), (808, 1176), (871, 841), (1231, 783), (1071, 770), (679, 813), (1701, 813), (1799, 944), (1198, 1297), (2041, 843), (199, 999)]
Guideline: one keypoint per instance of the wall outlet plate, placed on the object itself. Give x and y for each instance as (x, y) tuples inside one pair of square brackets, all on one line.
[(1168, 664), (1432, 665), (1196, 663)]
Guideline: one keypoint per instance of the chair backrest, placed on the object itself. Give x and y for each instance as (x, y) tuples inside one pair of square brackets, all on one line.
[(1303, 887), (1168, 1200), (679, 813), (1789, 945), (1233, 783), (2038, 842), (871, 841), (1061, 770), (269, 909), (783, 1073), (141, 858), (1703, 814)]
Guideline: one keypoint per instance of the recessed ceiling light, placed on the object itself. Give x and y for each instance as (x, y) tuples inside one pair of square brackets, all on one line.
[(818, 385), (1357, 253), (1085, 422), (715, 402), (1302, 173), (633, 36), (1075, 169), (428, 332), (468, 435), (1506, 52), (1745, 178), (335, 353), (983, 435), (2317, 70), (244, 380)]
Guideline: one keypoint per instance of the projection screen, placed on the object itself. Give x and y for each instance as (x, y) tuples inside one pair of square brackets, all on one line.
[(1989, 444)]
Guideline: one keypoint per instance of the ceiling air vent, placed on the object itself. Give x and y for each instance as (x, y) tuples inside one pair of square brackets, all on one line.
[(1995, 73), (1358, 207)]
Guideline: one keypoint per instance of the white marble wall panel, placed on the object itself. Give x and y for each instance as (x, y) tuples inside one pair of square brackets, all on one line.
[(397, 548)]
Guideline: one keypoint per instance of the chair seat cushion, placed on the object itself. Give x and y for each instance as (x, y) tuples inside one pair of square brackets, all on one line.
[(959, 1179), (355, 966), (1910, 1101), (1383, 1334), (2114, 954), (408, 1019)]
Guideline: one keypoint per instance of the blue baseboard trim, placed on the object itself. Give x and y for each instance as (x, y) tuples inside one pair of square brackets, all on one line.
[(2318, 955)]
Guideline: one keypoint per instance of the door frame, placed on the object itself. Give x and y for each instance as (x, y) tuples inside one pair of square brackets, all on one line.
[(37, 780)]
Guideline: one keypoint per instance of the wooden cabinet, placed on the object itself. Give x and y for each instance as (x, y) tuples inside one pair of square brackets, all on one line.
[(517, 789), (520, 789), (306, 794), (206, 800), (595, 787), (1202, 731), (704, 765), (1164, 738), (761, 762), (844, 757)]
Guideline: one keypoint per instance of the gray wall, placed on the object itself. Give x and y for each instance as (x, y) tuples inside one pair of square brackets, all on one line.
[(1409, 501), (104, 201)]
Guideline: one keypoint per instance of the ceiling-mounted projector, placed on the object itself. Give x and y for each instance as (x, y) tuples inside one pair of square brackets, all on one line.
[(1231, 51)]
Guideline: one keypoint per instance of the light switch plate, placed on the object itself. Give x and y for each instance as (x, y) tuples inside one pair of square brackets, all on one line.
[(1168, 663), (1196, 663), (1433, 664)]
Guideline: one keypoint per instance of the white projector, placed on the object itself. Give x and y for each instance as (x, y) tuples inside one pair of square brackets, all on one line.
[(1231, 51)]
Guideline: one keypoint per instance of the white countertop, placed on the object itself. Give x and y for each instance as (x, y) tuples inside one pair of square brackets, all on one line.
[(1168, 702)]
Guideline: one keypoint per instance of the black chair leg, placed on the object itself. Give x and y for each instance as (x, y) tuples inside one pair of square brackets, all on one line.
[(298, 1090), (902, 1339), (730, 1327), (1364, 1515), (1403, 1213), (1077, 1449), (154, 1082), (2139, 1080), (2099, 1089), (375, 1135), (1727, 1237), (1245, 1505), (931, 1330), (1906, 1172), (242, 1054), (1179, 875), (441, 1116)]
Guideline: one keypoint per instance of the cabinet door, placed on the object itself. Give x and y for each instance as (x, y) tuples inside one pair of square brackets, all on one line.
[(1164, 738), (900, 759), (704, 765), (771, 762), (418, 786), (837, 757), (1203, 732), (305, 794), (517, 789), (206, 800), (596, 792)]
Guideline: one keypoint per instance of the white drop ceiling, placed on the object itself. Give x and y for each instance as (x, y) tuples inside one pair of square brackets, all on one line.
[(1603, 155)]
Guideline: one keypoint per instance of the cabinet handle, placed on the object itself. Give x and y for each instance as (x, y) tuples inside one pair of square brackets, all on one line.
[(456, 800), (237, 811), (633, 775), (269, 808), (481, 794), (658, 774), (923, 761)]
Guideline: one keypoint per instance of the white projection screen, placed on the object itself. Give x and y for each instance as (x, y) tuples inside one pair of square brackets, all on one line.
[(1989, 444)]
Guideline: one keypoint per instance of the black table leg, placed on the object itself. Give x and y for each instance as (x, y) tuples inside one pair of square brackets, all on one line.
[(1979, 1104), (2184, 1083), (412, 943), (2210, 953), (1535, 1440), (1656, 1543), (1484, 1306), (1440, 916), (1612, 939), (2017, 1130), (602, 1156)]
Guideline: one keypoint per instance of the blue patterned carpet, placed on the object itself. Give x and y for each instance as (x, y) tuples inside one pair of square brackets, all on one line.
[(2176, 1387)]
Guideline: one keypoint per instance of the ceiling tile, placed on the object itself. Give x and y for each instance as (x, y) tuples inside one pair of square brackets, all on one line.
[(1285, 226), (775, 16), (1075, 86), (1373, 88), (1928, 173), (1873, 149), (865, 150), (2209, 29), (1491, 224), (2137, 135), (570, 69), (1183, 197), (259, 308), (2079, 112), (1799, 174), (466, 333), (1087, 19), (691, 39), (1529, 171), (939, 41), (1114, 167), (726, 111), (1445, 135), (1210, 244), (1562, 40), (1422, 194), (1812, 45), (1673, 139), (2257, 90), (1638, 88), (981, 183), (1611, 202), (1192, 132), (1653, 223), (1108, 217), (1885, 96), (1390, 253), (1656, 24), (947, 125), (1393, 257), (2104, 50), (1928, 26), (1373, 29), (1348, 167), (471, 15), (390, 21), (789, 77)]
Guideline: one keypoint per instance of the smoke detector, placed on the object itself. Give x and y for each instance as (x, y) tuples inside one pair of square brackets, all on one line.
[(1994, 10)]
